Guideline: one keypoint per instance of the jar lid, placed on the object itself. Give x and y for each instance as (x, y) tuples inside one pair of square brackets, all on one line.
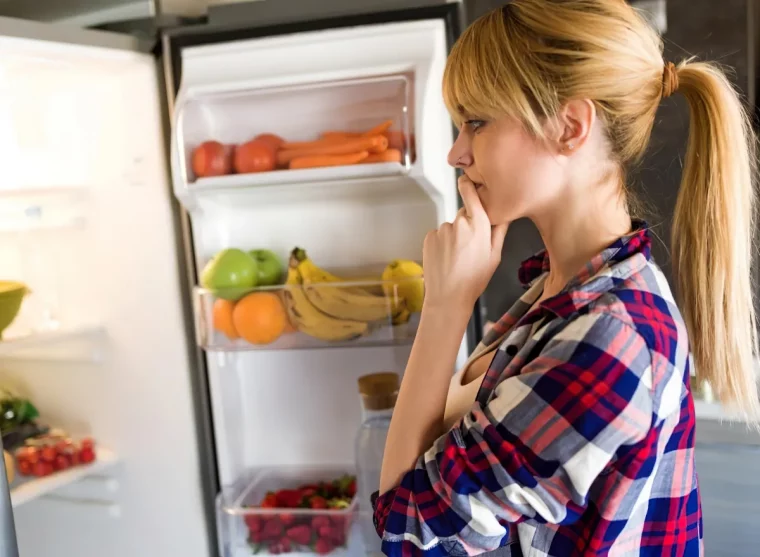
[(379, 384)]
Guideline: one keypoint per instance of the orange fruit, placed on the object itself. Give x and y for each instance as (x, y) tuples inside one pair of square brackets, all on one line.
[(222, 315), (260, 317)]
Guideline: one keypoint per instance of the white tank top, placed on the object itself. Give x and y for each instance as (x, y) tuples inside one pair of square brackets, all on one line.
[(461, 397)]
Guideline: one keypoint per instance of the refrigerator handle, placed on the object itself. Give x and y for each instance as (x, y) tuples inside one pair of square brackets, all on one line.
[(8, 544)]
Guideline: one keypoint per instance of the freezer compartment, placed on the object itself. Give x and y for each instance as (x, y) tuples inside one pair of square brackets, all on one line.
[(331, 130), (270, 512), (313, 315)]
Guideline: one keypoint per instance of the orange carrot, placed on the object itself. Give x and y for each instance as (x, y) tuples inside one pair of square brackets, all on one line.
[(318, 161), (396, 139), (291, 145), (379, 129), (375, 144), (339, 135), (389, 155)]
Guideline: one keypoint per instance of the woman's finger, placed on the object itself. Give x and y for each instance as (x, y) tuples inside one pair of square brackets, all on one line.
[(471, 200)]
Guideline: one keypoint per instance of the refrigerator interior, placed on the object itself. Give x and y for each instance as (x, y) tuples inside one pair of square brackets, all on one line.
[(99, 345), (295, 402)]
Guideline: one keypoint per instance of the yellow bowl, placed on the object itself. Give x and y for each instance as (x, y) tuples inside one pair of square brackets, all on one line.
[(11, 295)]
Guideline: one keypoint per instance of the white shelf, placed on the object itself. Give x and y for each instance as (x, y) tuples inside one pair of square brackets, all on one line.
[(77, 345), (30, 488), (27, 210), (288, 177)]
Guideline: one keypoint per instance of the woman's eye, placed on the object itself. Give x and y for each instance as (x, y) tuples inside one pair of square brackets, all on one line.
[(475, 125)]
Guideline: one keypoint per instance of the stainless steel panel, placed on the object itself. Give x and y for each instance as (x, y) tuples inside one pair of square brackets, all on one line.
[(272, 12), (80, 12), (10, 27)]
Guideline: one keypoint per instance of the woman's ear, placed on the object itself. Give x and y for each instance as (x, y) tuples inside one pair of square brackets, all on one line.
[(574, 122)]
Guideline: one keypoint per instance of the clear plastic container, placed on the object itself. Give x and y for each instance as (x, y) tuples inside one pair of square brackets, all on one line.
[(297, 113), (319, 315), (378, 392), (247, 529)]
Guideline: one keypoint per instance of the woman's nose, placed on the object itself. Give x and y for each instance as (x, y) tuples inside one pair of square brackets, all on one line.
[(460, 155)]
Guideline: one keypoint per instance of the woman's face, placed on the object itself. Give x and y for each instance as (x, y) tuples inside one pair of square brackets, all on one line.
[(516, 174)]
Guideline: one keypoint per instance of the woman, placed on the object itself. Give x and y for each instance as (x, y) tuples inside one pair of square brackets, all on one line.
[(571, 429)]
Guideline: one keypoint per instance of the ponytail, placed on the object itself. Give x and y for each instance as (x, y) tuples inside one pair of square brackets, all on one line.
[(713, 230)]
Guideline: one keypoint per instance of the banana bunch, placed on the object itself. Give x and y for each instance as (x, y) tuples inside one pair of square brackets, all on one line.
[(333, 313)]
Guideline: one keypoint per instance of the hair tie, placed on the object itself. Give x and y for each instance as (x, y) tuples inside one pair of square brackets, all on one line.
[(669, 80)]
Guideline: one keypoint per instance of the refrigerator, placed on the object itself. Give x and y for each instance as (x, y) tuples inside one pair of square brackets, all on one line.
[(102, 216)]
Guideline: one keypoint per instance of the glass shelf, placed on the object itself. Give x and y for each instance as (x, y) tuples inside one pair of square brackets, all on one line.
[(25, 489), (41, 209), (318, 315), (83, 345)]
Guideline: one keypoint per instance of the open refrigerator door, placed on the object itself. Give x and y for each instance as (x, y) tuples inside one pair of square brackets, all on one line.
[(94, 354), (327, 148)]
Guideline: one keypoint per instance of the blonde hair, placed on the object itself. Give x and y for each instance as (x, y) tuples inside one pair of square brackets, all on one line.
[(528, 58)]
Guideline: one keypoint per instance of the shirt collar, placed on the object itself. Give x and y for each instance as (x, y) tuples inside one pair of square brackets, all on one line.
[(621, 259)]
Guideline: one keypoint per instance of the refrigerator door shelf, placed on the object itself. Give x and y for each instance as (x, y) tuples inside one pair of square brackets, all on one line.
[(26, 489), (84, 345), (320, 315), (360, 173), (337, 113), (305, 84), (28, 210), (242, 522)]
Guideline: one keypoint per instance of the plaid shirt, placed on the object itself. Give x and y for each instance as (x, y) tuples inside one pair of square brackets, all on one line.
[(581, 438)]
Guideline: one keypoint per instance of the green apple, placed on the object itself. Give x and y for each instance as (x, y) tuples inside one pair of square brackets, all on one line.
[(268, 265), (230, 273)]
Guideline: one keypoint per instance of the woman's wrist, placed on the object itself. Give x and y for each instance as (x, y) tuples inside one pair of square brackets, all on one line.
[(454, 313)]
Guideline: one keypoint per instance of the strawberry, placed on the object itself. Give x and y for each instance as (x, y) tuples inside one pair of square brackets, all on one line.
[(287, 519), (272, 529), (289, 498), (270, 501), (351, 489), (253, 522), (308, 492), (318, 521), (318, 502), (327, 532), (323, 547), (285, 545), (299, 534)]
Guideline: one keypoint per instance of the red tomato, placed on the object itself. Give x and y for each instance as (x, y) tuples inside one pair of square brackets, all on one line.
[(61, 463), (274, 141), (211, 158), (25, 467), (86, 456), (30, 454), (43, 468), (48, 453), (254, 156)]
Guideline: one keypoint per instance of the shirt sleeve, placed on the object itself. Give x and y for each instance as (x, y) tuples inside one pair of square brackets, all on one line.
[(533, 452)]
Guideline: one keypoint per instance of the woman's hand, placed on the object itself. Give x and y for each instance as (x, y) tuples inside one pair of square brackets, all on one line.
[(460, 257)]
